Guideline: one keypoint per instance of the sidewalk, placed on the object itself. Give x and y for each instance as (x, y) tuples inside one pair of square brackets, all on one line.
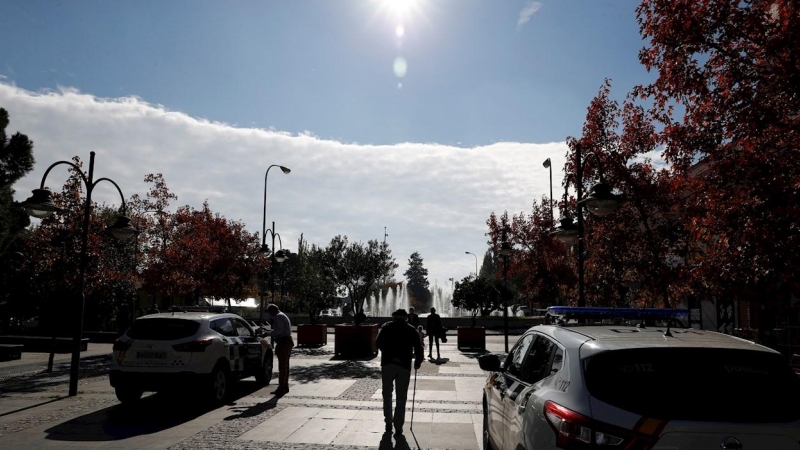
[(332, 404)]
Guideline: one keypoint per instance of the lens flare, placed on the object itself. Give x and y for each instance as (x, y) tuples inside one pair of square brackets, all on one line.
[(400, 30), (400, 67)]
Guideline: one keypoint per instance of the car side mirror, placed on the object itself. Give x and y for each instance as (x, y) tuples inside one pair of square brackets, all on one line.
[(489, 363)]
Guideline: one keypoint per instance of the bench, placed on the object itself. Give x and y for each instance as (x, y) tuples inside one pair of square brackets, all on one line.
[(10, 352)]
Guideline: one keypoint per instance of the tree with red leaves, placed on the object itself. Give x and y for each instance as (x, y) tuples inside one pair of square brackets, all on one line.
[(642, 243), (540, 267), (727, 94), (211, 256)]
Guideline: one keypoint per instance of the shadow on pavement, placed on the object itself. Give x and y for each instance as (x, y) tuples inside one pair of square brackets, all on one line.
[(39, 381), (344, 370), (150, 415), (310, 352), (243, 412)]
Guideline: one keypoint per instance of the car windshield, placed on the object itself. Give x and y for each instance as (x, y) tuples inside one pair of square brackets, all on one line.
[(166, 329), (719, 385)]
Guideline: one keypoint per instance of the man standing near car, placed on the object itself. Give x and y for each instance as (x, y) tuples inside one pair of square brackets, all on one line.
[(282, 334), (397, 340)]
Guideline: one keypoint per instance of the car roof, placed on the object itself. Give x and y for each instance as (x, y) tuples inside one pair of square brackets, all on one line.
[(188, 315), (618, 337)]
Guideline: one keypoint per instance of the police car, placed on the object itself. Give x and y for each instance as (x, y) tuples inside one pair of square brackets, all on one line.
[(205, 351), (627, 379)]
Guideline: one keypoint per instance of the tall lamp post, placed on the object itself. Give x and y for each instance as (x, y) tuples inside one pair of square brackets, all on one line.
[(476, 262), (600, 202), (40, 205), (505, 257), (548, 165), (278, 256)]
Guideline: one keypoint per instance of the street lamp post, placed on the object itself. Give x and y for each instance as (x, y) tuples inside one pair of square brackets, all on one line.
[(476, 262), (264, 246), (548, 165), (505, 257), (600, 202), (40, 205)]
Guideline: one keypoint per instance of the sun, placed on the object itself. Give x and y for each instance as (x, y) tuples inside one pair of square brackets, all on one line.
[(401, 8)]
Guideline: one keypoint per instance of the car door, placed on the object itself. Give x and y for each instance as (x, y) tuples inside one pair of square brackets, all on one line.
[(230, 340), (504, 382), (535, 366), (250, 350)]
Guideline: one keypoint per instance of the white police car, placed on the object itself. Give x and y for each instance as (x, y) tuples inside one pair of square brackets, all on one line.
[(638, 387), (200, 350)]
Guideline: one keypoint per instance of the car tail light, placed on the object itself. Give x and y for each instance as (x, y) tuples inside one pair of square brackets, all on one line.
[(194, 346), (575, 431), (121, 346)]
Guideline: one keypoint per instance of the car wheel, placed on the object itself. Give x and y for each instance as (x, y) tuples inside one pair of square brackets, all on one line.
[(218, 386), (127, 395), (487, 445), (264, 376)]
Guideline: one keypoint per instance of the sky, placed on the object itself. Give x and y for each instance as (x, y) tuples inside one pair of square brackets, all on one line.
[(419, 116)]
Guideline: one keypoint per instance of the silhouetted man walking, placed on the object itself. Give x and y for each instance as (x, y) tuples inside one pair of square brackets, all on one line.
[(434, 329), (397, 340)]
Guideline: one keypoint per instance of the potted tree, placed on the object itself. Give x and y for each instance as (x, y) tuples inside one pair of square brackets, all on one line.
[(315, 290), (478, 296), (356, 269)]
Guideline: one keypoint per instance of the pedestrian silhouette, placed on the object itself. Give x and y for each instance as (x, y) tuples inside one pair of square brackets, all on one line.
[(397, 340), (434, 330)]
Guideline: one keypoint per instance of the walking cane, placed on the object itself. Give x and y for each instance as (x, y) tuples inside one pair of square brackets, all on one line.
[(413, 400)]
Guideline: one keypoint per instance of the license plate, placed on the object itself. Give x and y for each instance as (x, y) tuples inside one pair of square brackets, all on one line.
[(151, 355)]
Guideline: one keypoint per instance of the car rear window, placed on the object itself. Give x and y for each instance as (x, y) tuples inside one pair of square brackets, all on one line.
[(722, 385), (166, 329)]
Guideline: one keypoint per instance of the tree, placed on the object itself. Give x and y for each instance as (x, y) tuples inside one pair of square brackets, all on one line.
[(727, 94), (156, 227), (540, 266), (357, 267), (417, 279), (314, 286), (53, 266), (478, 296), (16, 160), (639, 243), (489, 265), (211, 256)]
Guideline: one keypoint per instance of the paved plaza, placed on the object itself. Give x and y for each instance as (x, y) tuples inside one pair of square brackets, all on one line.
[(333, 403)]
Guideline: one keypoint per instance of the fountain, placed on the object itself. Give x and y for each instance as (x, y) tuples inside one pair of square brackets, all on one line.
[(382, 304)]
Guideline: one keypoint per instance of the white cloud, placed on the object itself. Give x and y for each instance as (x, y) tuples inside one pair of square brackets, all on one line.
[(527, 12), (432, 198)]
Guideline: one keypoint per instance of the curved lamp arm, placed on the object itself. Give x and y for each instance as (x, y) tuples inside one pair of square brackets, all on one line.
[(73, 165), (285, 170), (599, 164), (121, 196)]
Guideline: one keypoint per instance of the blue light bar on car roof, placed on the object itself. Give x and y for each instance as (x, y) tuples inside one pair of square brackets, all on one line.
[(569, 312)]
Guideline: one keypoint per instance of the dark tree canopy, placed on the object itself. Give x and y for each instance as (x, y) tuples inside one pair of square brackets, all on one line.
[(417, 276)]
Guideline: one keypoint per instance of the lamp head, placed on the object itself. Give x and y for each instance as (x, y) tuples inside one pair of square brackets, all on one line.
[(285, 170), (122, 229), (601, 202), (265, 249), (546, 163), (40, 204), (567, 232), (281, 255)]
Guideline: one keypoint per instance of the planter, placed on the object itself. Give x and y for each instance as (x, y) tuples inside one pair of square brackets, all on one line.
[(356, 341), (312, 335), (472, 338)]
